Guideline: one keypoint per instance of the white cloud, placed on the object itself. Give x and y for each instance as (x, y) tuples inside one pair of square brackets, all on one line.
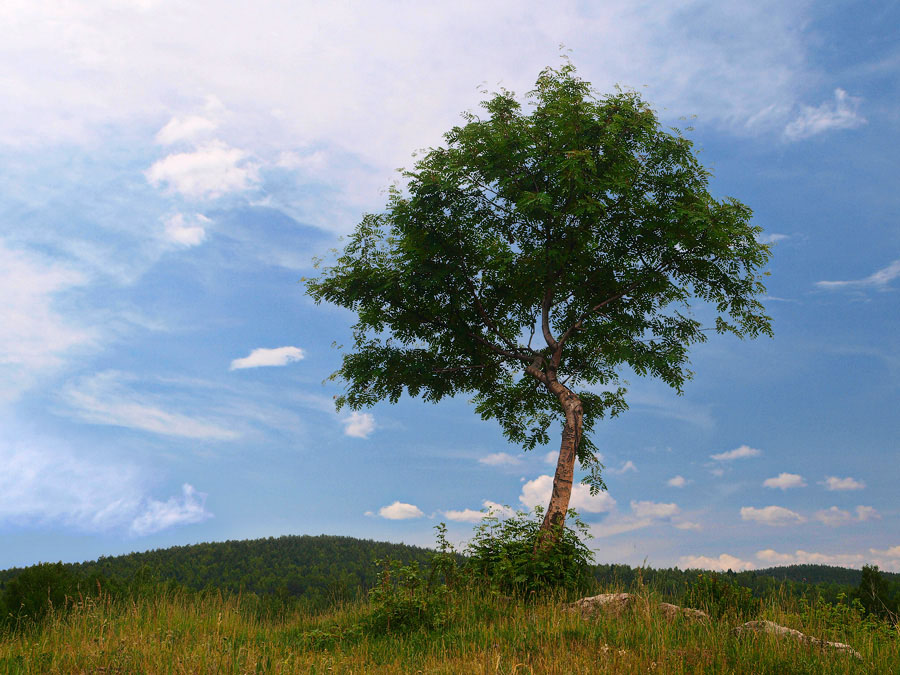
[(36, 336), (772, 238), (625, 468), (280, 356), (208, 172), (737, 453), (185, 128), (500, 459), (879, 279), (400, 511), (156, 516), (771, 515), (833, 517), (688, 525), (677, 481), (537, 493), (848, 483), (785, 481), (654, 509), (359, 425), (842, 113), (801, 557), (473, 516), (552, 457), (105, 398), (893, 552), (44, 484), (721, 564), (864, 513), (179, 230)]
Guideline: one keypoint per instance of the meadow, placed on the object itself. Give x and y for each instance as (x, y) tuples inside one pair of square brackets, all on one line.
[(416, 629)]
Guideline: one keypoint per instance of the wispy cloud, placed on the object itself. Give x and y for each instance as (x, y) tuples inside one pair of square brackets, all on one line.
[(738, 453), (841, 113), (500, 459), (878, 280), (106, 398), (36, 337), (184, 230), (838, 484), (785, 481), (677, 481), (771, 515), (279, 356), (473, 516), (185, 510), (45, 484), (772, 238), (835, 517), (624, 468), (359, 425)]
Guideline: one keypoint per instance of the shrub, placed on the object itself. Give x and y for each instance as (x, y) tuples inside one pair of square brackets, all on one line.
[(508, 555), (30, 595), (719, 597), (403, 600)]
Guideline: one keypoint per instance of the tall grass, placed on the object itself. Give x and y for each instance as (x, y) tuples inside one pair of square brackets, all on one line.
[(483, 632)]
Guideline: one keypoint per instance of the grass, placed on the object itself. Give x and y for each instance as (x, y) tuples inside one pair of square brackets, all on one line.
[(482, 632)]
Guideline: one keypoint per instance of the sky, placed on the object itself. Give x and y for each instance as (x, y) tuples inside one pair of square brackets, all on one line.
[(168, 171)]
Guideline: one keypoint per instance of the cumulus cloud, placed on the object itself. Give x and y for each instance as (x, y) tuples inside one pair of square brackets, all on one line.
[(400, 511), (107, 398), (721, 564), (687, 525), (848, 483), (473, 516), (842, 113), (864, 513), (537, 493), (879, 279), (44, 484), (184, 510), (654, 509), (186, 231), (208, 172), (500, 459), (785, 481), (677, 481), (280, 356), (738, 453), (359, 425), (800, 557), (184, 128), (834, 516), (771, 515)]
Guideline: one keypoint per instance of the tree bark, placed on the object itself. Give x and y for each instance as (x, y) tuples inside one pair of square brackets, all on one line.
[(565, 465)]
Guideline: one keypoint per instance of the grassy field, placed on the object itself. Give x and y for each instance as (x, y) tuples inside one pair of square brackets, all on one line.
[(470, 632)]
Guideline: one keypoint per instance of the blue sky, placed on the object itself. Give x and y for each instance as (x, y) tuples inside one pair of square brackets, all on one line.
[(169, 170)]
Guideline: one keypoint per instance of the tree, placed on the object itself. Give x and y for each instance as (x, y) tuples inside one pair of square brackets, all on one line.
[(579, 221)]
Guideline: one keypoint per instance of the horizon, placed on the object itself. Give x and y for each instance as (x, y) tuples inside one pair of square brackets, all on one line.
[(163, 374)]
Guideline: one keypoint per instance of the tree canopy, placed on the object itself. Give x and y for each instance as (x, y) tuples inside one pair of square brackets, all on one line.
[(535, 255)]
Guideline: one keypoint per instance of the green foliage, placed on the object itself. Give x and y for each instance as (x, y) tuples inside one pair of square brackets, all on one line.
[(514, 556), (35, 592), (404, 601), (874, 594), (578, 219), (719, 597)]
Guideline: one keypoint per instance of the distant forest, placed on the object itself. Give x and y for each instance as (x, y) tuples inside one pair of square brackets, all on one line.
[(321, 570)]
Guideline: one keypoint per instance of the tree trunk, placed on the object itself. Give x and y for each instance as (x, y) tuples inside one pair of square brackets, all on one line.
[(565, 465)]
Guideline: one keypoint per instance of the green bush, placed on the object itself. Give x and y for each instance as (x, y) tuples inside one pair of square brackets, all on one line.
[(514, 556), (719, 597), (30, 595), (403, 600)]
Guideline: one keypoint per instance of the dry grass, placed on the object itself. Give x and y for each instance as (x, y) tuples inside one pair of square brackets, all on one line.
[(183, 633)]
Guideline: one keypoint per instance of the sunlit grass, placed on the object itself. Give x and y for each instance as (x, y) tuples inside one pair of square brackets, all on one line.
[(177, 632)]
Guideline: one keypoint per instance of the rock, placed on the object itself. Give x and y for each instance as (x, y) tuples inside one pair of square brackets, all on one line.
[(606, 603), (674, 611), (783, 631), (613, 604)]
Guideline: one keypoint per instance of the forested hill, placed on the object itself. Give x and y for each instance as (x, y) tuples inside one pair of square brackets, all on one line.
[(821, 574), (316, 567)]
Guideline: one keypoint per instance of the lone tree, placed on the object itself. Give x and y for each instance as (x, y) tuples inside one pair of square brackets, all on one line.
[(535, 256)]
